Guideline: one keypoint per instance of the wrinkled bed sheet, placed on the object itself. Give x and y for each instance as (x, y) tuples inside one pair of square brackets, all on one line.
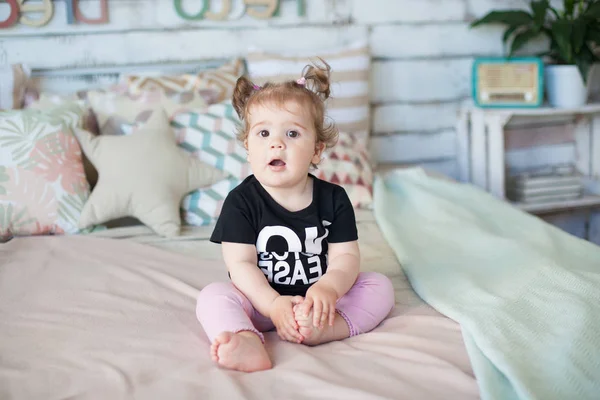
[(111, 316)]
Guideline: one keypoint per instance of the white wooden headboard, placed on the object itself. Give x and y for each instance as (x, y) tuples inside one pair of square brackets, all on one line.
[(70, 80)]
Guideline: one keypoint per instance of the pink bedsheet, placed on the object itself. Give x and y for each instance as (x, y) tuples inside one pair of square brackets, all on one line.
[(98, 318)]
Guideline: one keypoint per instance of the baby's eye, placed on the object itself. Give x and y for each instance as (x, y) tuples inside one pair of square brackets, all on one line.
[(263, 133), (293, 134)]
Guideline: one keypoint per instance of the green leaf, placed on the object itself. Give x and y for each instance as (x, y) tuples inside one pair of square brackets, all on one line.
[(521, 39), (556, 14), (579, 32), (508, 17), (593, 35), (569, 7), (2, 191), (539, 8), (584, 62), (561, 33), (509, 32), (593, 11), (554, 51)]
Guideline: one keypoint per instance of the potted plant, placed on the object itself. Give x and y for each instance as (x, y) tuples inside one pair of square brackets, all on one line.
[(573, 33)]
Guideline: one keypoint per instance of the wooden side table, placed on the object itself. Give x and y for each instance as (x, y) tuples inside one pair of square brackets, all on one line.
[(482, 149)]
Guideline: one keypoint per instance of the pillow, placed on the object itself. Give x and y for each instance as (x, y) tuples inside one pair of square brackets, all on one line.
[(42, 181), (47, 101), (209, 134), (142, 175), (348, 164), (13, 84), (349, 105), (215, 85), (113, 110), (202, 207)]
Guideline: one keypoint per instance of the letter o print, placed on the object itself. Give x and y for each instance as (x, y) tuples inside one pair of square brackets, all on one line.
[(266, 233)]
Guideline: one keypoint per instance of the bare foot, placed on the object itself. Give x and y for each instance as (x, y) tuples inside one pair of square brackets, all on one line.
[(305, 324), (314, 335), (242, 351)]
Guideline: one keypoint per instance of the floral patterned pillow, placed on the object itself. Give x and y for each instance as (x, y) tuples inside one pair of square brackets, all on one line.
[(42, 182), (47, 101)]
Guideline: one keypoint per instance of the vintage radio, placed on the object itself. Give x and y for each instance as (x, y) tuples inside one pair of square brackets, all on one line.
[(504, 82)]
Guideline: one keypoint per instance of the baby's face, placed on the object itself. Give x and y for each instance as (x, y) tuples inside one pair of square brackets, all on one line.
[(281, 144)]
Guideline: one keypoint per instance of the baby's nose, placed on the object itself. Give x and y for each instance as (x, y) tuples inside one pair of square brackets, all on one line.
[(277, 144)]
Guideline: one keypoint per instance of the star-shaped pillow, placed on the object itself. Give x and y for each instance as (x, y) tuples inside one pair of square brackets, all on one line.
[(143, 175)]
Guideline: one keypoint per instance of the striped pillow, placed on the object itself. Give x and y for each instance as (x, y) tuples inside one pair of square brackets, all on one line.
[(215, 85), (349, 102)]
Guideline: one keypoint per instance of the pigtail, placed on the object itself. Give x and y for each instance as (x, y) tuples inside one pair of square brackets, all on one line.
[(242, 92), (316, 78)]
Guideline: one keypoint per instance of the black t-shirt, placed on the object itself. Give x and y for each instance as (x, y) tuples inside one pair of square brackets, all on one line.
[(291, 246)]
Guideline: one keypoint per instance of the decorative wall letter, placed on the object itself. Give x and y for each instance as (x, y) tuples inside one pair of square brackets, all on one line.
[(46, 7), (268, 13), (82, 18), (189, 17), (238, 10), (13, 17), (223, 14), (70, 12), (300, 7)]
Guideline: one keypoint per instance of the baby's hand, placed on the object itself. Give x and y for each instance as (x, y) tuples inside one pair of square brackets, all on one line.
[(282, 315), (322, 300), (305, 323)]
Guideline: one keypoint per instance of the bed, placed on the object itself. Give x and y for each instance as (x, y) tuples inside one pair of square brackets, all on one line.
[(109, 312), (111, 316)]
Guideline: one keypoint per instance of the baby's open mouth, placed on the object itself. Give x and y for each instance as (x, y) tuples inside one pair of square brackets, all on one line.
[(277, 163)]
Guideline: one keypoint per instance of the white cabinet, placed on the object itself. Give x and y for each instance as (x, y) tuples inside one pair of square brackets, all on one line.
[(481, 144)]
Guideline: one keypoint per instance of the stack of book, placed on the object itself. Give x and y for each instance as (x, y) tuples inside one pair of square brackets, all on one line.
[(559, 183)]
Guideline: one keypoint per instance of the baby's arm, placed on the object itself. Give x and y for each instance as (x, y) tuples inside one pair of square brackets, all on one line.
[(343, 267), (241, 261), (342, 271)]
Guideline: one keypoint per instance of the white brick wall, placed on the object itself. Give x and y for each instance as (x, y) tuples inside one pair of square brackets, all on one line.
[(422, 53)]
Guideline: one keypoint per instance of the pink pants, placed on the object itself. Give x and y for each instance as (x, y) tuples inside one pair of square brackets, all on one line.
[(221, 307)]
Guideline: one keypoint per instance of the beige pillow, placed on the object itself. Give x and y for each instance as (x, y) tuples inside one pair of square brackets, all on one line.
[(143, 175), (214, 84)]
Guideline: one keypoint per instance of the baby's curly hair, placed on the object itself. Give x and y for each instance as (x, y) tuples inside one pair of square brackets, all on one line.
[(313, 89)]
